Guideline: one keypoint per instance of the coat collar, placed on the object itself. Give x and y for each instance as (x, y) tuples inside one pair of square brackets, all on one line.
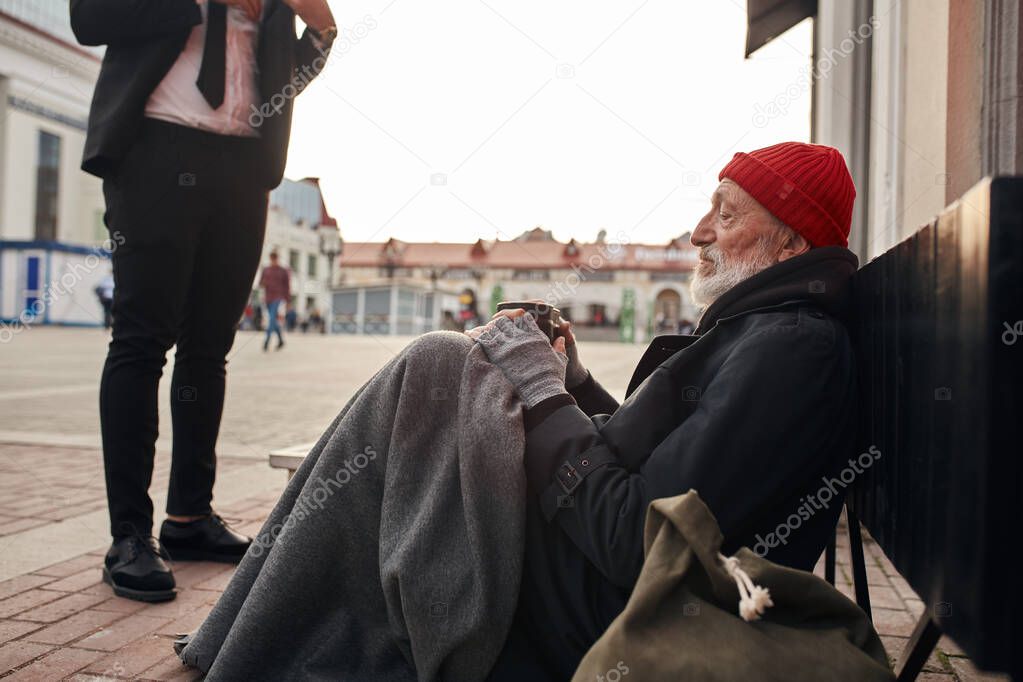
[(819, 276)]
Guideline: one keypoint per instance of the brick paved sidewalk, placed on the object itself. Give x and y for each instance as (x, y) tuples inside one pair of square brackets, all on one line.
[(61, 622)]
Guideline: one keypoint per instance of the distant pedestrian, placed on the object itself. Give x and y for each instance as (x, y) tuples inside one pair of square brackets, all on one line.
[(449, 323), (276, 283), (316, 322), (291, 318), (685, 327), (105, 293)]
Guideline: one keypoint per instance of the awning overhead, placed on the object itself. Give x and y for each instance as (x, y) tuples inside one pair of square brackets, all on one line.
[(770, 18)]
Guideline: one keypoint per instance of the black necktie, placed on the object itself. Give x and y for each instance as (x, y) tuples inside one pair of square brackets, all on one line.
[(213, 69)]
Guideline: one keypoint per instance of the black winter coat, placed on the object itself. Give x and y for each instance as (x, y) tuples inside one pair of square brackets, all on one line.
[(752, 412)]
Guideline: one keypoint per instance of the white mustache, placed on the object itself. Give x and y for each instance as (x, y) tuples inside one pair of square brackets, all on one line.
[(711, 253)]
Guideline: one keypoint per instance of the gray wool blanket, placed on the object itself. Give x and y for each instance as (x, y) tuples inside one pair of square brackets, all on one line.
[(396, 550)]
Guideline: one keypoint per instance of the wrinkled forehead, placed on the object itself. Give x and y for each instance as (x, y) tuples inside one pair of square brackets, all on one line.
[(730, 194)]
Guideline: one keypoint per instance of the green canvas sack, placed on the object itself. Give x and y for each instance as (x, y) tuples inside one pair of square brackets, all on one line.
[(698, 615)]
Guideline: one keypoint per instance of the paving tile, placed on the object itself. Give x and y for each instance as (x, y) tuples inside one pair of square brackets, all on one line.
[(892, 622), (117, 635), (22, 583), (18, 525), (74, 627), (65, 606), (914, 607), (217, 583), (171, 669), (13, 629), (186, 601), (896, 647), (949, 647), (119, 604), (185, 623), (966, 672), (88, 578), (70, 567), (188, 574), (884, 597), (55, 666), (69, 511), (903, 588), (14, 654), (24, 601), (130, 661), (875, 576)]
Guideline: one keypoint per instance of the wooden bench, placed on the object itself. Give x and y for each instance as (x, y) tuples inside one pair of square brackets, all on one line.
[(290, 458), (940, 359)]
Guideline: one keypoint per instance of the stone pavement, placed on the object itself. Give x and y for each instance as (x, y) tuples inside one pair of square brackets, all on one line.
[(58, 621)]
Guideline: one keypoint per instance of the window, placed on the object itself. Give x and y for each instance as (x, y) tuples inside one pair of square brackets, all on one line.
[(293, 260), (47, 186), (311, 265), (598, 314), (533, 275), (390, 271), (668, 276), (458, 273)]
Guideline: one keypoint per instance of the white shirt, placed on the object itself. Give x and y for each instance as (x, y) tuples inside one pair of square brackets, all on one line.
[(177, 99)]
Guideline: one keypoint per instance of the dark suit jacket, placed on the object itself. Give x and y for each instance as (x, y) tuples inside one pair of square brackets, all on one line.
[(145, 37)]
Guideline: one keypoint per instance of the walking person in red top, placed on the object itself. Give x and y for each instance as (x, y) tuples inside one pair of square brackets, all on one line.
[(276, 283)]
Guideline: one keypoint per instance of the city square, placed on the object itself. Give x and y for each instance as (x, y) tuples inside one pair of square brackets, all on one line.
[(384, 341)]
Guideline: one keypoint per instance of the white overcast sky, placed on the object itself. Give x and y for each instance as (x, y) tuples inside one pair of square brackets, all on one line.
[(572, 115)]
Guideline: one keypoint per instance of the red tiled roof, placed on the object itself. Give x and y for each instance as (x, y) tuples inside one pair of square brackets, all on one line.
[(529, 254)]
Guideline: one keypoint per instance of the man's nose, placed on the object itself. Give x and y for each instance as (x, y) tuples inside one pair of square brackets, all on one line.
[(702, 235)]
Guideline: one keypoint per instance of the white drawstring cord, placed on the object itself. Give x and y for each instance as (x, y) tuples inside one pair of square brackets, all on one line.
[(753, 599)]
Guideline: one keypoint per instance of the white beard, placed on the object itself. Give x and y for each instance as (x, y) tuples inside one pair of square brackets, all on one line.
[(705, 289)]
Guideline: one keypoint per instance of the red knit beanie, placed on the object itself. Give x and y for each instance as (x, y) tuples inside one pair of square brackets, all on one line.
[(806, 186)]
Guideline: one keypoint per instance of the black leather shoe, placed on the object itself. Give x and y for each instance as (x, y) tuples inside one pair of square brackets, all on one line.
[(135, 568), (208, 539)]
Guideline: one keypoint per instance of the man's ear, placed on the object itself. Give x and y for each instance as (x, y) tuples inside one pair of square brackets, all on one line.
[(795, 245)]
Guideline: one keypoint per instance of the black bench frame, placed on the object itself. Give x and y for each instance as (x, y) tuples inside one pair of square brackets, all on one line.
[(940, 396)]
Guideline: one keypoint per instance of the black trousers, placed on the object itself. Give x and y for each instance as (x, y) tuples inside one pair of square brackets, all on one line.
[(186, 220)]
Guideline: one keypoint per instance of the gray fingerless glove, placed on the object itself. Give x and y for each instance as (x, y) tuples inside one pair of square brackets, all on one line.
[(526, 358), (575, 373)]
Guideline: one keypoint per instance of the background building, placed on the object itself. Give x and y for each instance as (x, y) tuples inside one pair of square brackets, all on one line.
[(51, 214), (46, 84), (298, 229), (922, 96), (593, 284)]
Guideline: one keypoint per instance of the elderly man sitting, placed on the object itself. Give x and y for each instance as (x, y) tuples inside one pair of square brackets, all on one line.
[(482, 498), (752, 411)]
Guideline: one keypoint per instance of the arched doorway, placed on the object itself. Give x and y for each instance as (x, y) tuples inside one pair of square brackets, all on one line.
[(667, 309)]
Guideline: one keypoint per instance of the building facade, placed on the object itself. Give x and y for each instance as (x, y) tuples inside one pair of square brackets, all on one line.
[(609, 290), (51, 213), (297, 220), (46, 84), (924, 98)]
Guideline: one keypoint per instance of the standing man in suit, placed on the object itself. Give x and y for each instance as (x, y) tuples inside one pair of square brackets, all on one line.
[(189, 130)]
